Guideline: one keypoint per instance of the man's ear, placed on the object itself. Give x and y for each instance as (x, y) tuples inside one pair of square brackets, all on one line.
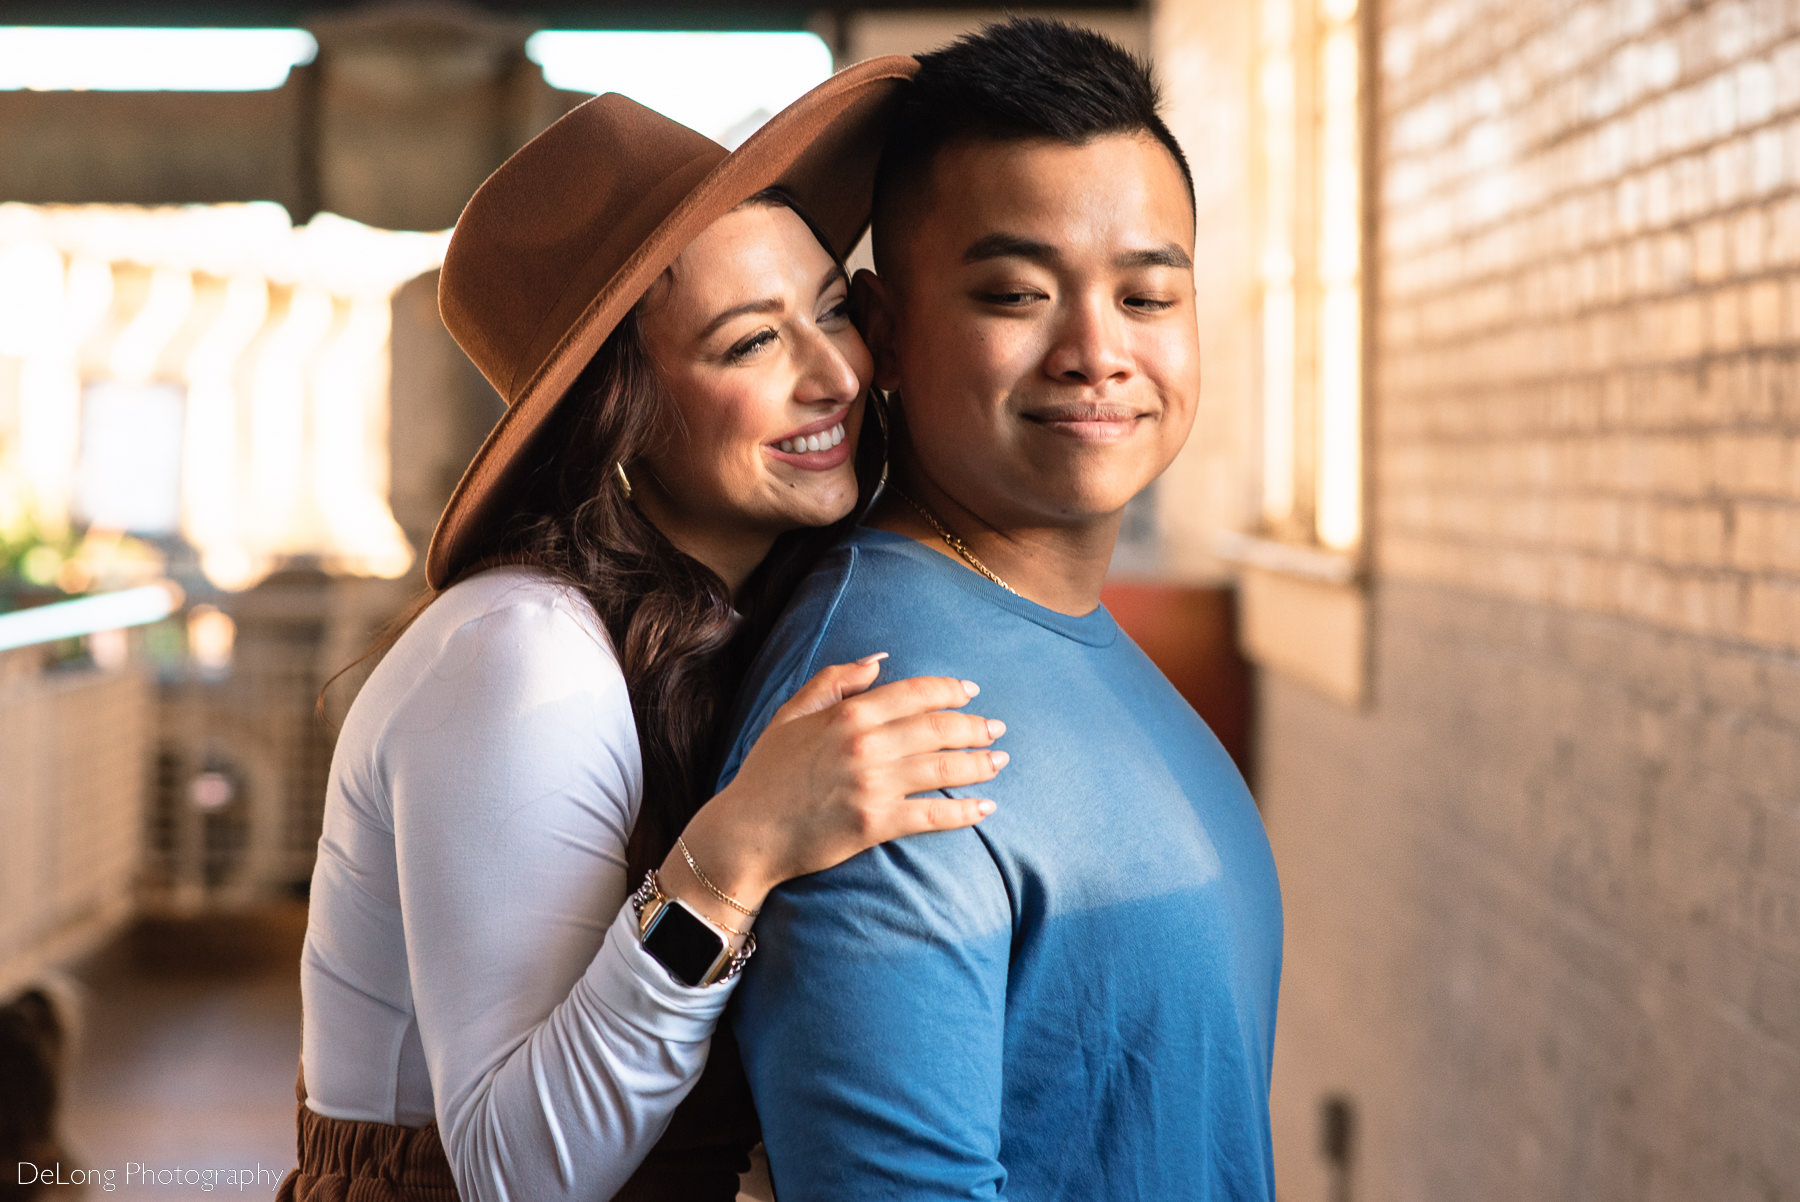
[(872, 308)]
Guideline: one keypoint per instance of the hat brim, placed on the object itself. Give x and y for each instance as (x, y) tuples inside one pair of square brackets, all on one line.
[(823, 148)]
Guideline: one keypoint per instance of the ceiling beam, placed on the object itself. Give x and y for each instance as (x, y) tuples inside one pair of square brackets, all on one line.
[(549, 14)]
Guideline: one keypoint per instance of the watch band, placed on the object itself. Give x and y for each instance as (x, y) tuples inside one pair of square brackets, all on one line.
[(647, 904)]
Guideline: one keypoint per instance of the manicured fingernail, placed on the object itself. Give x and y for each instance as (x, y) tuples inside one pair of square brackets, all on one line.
[(984, 808), (866, 660), (996, 728), (971, 688), (999, 758)]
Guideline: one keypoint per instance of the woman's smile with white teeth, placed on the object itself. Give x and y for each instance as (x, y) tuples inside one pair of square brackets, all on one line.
[(813, 442)]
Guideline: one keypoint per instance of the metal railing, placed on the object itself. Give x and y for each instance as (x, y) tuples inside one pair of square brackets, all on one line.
[(75, 745)]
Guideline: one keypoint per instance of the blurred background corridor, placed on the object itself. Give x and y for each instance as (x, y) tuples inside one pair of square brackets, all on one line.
[(1483, 559)]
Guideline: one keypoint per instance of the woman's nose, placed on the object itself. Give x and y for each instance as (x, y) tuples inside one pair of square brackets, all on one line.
[(827, 375)]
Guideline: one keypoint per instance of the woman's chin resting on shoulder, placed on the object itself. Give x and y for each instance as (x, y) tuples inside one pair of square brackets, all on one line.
[(528, 909)]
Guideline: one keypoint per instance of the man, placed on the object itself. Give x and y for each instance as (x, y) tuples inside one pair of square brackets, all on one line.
[(1076, 998)]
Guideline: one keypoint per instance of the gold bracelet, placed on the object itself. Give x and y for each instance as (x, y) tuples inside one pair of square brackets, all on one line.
[(734, 903), (650, 898)]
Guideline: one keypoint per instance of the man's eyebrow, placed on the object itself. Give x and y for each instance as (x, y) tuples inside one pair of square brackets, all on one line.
[(1013, 246), (1162, 256), (1008, 246)]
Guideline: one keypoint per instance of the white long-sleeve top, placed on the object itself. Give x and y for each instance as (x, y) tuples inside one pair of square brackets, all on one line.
[(469, 956)]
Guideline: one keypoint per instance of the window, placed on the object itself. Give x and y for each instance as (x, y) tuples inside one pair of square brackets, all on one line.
[(1304, 612), (1309, 108)]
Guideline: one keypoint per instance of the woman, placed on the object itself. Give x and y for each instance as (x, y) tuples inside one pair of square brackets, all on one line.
[(485, 1011)]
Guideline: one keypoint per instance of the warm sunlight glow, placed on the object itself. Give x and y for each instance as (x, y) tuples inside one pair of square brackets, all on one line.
[(1309, 99), (207, 371), (278, 419), (350, 437), (1277, 269), (1339, 510), (214, 402), (1278, 404), (140, 344)]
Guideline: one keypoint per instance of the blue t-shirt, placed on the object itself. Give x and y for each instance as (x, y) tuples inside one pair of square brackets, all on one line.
[(1074, 999)]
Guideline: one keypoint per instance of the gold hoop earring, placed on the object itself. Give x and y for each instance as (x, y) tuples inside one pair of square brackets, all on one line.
[(624, 480)]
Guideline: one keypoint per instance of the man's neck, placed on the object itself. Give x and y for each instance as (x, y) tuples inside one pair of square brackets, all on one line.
[(1060, 566)]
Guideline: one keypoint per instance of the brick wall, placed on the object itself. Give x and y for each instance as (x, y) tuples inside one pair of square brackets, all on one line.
[(1590, 307), (1544, 890), (1543, 906)]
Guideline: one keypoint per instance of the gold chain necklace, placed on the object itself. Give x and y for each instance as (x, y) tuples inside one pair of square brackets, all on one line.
[(955, 544)]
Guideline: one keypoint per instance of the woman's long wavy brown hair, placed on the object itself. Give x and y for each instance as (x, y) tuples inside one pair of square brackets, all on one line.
[(669, 616)]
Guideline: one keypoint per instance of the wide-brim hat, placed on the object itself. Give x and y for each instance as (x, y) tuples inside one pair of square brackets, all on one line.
[(559, 243)]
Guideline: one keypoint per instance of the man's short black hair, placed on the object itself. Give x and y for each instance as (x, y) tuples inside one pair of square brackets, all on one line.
[(1016, 80)]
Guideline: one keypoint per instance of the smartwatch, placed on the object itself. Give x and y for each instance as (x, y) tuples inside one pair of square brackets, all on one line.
[(695, 951)]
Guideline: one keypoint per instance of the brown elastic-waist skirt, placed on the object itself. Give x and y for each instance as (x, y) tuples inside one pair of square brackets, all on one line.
[(345, 1161)]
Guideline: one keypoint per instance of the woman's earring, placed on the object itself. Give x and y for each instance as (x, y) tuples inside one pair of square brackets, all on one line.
[(624, 480)]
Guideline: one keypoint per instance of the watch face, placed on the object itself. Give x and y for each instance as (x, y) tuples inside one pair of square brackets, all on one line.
[(684, 944)]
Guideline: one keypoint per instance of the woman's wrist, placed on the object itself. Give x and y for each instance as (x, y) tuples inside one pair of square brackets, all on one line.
[(728, 867)]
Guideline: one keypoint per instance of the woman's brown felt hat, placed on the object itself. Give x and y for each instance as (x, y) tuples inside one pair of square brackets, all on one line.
[(558, 244)]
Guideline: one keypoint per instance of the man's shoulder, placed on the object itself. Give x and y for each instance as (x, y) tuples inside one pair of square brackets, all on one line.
[(867, 594), (937, 885)]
